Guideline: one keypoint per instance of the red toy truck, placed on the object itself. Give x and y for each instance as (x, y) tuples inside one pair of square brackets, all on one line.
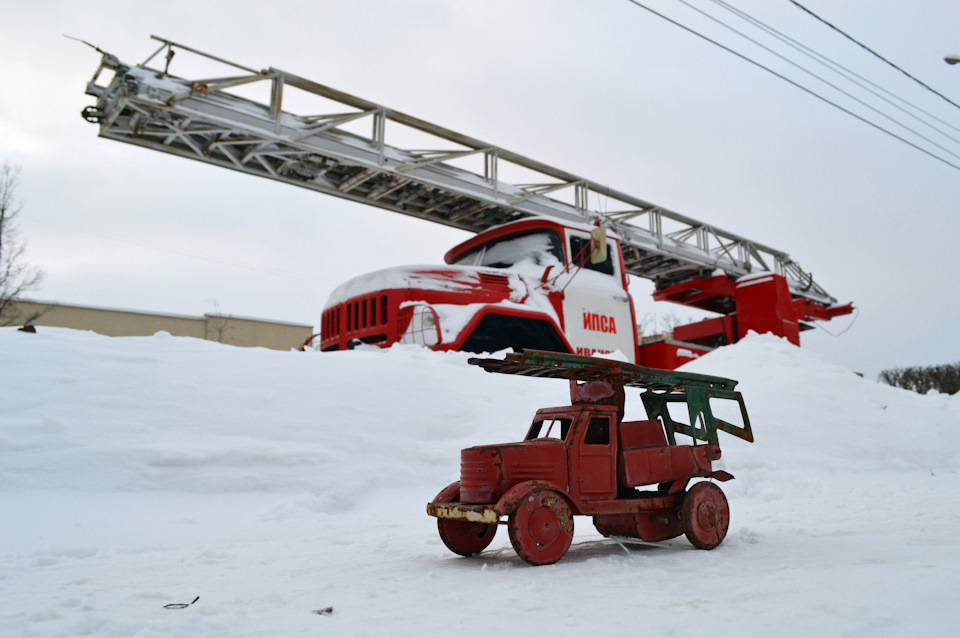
[(584, 459)]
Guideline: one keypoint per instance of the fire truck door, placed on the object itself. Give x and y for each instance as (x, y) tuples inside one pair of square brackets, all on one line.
[(596, 309), (595, 460)]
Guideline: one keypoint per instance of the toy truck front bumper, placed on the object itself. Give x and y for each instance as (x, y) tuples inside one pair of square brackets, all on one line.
[(464, 512)]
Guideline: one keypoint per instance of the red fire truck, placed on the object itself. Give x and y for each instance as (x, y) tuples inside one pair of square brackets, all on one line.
[(539, 274), (542, 284)]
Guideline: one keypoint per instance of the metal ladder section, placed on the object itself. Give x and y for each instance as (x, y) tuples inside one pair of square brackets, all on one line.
[(662, 387), (205, 119)]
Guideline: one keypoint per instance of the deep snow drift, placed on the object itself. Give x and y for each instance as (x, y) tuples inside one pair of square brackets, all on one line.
[(137, 472)]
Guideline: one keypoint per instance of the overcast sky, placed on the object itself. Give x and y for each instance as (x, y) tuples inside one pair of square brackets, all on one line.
[(601, 89)]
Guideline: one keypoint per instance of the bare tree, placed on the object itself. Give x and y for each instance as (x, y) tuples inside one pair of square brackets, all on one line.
[(16, 276), (646, 325), (217, 324), (651, 325)]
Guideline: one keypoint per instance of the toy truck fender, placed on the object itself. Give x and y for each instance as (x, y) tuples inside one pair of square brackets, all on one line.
[(511, 500), (447, 504), (449, 494)]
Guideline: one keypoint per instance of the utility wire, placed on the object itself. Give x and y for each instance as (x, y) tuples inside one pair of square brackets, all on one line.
[(811, 73), (827, 82), (866, 48), (796, 84), (848, 73)]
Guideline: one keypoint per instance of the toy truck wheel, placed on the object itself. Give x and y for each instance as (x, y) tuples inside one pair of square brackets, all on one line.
[(541, 528), (705, 515), (465, 538)]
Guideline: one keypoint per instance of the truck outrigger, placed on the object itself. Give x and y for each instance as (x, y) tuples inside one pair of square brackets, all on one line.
[(584, 459)]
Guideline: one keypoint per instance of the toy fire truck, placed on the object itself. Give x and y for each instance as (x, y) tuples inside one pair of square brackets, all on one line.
[(584, 459)]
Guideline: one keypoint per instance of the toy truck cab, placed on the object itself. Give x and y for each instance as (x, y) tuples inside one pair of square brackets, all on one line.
[(584, 459), (568, 447)]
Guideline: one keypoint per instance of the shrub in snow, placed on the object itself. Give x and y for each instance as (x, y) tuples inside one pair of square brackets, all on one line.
[(942, 378)]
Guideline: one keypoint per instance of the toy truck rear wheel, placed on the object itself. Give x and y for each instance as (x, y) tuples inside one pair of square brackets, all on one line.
[(705, 515), (462, 537), (541, 528)]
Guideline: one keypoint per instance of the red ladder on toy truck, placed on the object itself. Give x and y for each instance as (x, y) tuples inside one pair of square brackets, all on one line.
[(584, 459), (536, 276)]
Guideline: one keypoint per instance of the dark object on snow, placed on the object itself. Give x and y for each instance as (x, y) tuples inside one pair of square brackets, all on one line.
[(326, 611), (28, 328), (181, 605)]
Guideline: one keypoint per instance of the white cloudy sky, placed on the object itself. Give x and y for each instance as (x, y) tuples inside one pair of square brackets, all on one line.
[(601, 89)]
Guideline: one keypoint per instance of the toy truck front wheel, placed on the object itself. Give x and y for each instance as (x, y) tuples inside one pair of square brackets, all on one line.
[(461, 536), (541, 528)]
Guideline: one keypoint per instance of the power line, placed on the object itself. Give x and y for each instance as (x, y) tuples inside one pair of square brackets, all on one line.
[(794, 83), (811, 73), (844, 71), (827, 82), (866, 48)]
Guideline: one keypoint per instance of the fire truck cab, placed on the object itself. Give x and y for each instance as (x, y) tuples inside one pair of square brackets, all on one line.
[(534, 283)]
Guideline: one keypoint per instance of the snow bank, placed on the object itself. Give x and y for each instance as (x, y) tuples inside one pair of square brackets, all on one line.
[(136, 472), (174, 413), (808, 411)]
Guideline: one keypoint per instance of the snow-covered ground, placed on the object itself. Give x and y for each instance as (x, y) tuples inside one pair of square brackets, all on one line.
[(137, 472)]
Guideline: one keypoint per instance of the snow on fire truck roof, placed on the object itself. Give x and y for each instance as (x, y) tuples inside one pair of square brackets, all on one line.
[(527, 223)]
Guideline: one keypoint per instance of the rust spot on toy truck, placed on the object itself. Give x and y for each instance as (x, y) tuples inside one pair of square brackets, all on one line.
[(471, 513)]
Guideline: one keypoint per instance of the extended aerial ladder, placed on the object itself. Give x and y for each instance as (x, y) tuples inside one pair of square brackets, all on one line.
[(206, 119)]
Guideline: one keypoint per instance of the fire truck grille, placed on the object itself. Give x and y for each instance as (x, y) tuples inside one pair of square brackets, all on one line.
[(366, 318), (478, 476)]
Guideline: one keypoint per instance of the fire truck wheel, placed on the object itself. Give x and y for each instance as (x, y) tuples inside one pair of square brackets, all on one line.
[(541, 528), (465, 538), (705, 515)]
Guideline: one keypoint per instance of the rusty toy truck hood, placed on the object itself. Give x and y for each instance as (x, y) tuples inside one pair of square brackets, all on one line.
[(487, 471)]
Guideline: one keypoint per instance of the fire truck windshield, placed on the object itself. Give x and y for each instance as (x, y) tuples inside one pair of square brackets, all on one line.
[(542, 248), (549, 428)]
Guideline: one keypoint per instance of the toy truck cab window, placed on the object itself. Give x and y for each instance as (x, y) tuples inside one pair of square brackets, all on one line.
[(580, 255), (598, 432), (541, 247), (549, 428)]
